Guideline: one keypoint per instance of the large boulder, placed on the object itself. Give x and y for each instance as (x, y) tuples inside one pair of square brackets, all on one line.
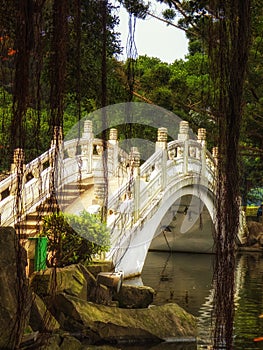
[(69, 279), (74, 280), (134, 297), (40, 318), (110, 324), (14, 296)]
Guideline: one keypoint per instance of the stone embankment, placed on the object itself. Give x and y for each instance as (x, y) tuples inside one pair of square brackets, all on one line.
[(71, 309)]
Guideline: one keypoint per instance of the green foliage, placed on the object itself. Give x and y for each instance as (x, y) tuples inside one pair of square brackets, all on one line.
[(74, 239), (136, 7)]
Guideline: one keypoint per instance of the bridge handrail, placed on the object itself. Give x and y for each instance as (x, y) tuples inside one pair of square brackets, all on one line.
[(147, 165)]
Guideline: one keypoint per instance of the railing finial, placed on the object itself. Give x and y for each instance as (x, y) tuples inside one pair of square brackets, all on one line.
[(201, 134), (18, 160), (113, 134), (88, 130), (134, 157), (161, 139), (183, 131), (57, 136)]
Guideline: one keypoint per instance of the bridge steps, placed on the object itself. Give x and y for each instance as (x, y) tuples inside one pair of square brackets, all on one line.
[(33, 222)]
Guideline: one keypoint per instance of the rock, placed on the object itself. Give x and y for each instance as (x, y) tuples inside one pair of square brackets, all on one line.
[(14, 295), (255, 230), (134, 297), (74, 280), (40, 318), (111, 279), (69, 279), (109, 324), (70, 343), (96, 267), (99, 347), (49, 342), (96, 292)]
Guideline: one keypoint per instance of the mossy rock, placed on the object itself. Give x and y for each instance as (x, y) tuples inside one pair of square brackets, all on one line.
[(111, 324), (69, 279), (40, 317), (134, 297)]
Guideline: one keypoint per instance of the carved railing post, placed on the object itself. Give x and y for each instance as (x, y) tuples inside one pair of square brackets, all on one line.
[(113, 140), (87, 148), (57, 137), (162, 144), (202, 140), (135, 169), (184, 136), (55, 161), (17, 188), (100, 188), (18, 168), (215, 156)]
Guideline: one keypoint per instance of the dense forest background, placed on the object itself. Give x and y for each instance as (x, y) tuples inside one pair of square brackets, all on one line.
[(67, 61)]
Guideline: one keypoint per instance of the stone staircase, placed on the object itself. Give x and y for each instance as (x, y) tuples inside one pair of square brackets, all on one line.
[(32, 224)]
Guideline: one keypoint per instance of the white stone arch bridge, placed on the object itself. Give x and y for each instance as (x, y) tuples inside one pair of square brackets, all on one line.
[(142, 199)]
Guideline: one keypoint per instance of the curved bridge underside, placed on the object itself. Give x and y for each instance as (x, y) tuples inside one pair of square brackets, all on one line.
[(182, 220)]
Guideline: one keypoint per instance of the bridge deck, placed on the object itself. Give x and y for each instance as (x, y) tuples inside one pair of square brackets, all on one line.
[(85, 200)]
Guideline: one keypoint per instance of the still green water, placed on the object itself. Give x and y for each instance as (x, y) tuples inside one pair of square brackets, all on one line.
[(187, 280)]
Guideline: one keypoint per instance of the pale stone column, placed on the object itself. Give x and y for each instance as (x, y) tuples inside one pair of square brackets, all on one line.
[(113, 140), (55, 157), (57, 136), (135, 169), (18, 164), (18, 168), (99, 178), (184, 136), (87, 148), (202, 140), (17, 187), (162, 144), (215, 156)]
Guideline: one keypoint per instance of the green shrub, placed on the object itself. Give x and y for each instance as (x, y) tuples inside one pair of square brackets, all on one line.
[(74, 239)]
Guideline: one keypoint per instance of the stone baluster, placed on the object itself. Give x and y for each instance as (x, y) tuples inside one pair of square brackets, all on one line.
[(54, 161), (87, 148), (162, 144), (18, 168), (88, 130), (57, 136), (184, 136), (17, 187), (215, 155), (135, 169), (18, 164), (201, 138), (56, 145), (113, 140), (100, 177)]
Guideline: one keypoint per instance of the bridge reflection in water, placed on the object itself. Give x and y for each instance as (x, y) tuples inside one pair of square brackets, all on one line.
[(186, 278)]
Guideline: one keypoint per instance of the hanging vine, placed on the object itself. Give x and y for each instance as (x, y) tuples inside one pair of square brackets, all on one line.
[(228, 52), (24, 45)]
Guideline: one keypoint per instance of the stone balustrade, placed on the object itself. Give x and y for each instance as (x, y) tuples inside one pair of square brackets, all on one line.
[(64, 160), (84, 156)]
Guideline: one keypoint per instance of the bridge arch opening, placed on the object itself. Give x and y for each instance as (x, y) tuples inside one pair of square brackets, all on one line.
[(187, 226)]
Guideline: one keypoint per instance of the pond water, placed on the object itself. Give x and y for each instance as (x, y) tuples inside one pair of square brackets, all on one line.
[(186, 279)]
